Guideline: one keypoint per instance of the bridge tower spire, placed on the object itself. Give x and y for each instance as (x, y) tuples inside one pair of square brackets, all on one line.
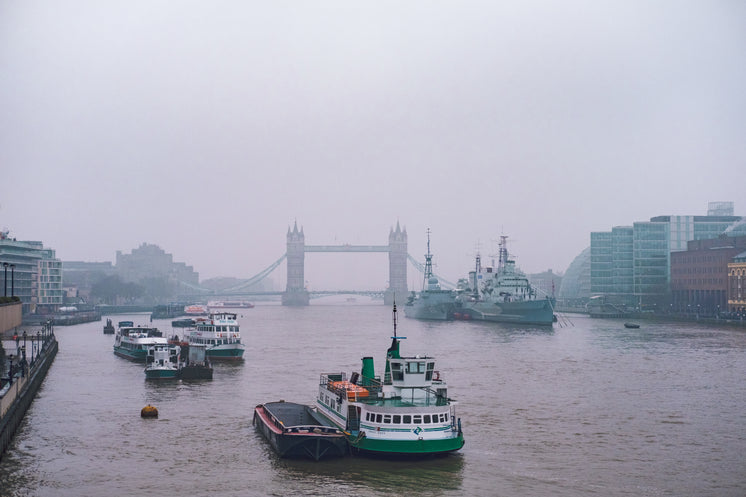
[(295, 291), (397, 265)]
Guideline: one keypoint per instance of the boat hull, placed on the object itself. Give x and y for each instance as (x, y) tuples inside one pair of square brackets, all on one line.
[(412, 448), (133, 355), (161, 374), (225, 353), (431, 305), (293, 432), (534, 312)]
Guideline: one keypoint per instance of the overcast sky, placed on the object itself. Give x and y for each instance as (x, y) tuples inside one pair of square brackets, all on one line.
[(208, 128)]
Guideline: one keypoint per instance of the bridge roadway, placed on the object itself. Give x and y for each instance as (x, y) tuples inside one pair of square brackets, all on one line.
[(312, 294)]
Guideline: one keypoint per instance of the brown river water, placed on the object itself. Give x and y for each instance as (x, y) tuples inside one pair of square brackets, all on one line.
[(587, 409)]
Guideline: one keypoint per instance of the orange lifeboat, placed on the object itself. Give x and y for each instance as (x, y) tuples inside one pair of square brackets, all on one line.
[(353, 391)]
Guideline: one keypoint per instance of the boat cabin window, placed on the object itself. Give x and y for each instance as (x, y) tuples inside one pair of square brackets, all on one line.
[(430, 368), (397, 419), (415, 367), (407, 419), (387, 418), (396, 371), (417, 419), (379, 418), (426, 418)]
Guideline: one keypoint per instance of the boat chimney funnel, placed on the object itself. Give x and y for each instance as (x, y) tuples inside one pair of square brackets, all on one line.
[(368, 371)]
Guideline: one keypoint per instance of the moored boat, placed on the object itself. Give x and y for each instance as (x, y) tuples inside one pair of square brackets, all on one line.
[(631, 325), (220, 334), (109, 327), (133, 342), (503, 294), (196, 310), (229, 304), (296, 430), (407, 413), (197, 366), (433, 302), (162, 362)]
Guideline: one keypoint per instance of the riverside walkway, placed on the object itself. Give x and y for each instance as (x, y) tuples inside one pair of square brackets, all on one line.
[(28, 358)]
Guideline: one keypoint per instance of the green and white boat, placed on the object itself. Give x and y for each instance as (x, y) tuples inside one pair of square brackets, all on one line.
[(133, 342), (408, 413), (162, 362), (220, 334)]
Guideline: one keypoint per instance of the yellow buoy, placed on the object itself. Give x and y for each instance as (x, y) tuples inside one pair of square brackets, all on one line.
[(149, 412)]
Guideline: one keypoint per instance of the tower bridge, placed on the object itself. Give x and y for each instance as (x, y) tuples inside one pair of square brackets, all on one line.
[(296, 293)]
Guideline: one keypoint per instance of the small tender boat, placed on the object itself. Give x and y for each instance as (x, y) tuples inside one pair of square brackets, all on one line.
[(631, 325), (162, 362), (109, 327), (296, 430)]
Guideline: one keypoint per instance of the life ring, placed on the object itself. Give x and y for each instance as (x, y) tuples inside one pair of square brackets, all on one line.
[(437, 376)]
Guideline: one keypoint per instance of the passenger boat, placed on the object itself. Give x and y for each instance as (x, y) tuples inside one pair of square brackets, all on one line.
[(230, 304), (162, 362), (503, 294), (109, 327), (220, 334), (195, 310), (433, 302), (297, 430), (407, 413), (133, 342)]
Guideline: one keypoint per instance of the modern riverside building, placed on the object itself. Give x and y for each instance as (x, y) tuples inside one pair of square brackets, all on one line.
[(575, 289), (699, 275), (630, 265), (737, 284), (32, 273)]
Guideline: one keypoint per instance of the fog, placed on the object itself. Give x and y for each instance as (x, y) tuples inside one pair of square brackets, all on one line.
[(209, 128)]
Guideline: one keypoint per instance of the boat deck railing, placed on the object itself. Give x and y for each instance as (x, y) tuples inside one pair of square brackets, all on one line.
[(302, 428), (339, 384)]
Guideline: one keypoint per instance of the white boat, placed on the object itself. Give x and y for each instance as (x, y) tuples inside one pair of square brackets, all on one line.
[(133, 342), (162, 362), (220, 334), (407, 413), (230, 304)]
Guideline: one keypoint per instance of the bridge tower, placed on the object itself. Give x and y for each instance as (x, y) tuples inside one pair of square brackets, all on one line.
[(295, 291), (397, 266)]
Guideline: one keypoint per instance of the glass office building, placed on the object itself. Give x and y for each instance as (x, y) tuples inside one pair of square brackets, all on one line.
[(33, 274), (631, 265)]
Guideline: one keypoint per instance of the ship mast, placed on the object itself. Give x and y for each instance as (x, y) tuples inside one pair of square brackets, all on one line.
[(503, 257), (428, 263)]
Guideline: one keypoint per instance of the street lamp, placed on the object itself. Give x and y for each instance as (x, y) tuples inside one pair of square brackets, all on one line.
[(12, 280), (5, 265)]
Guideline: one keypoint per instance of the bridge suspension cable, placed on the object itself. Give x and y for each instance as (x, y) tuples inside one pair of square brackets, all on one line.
[(421, 268), (257, 277)]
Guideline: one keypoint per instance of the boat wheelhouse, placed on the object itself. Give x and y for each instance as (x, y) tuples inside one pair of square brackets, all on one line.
[(162, 362), (407, 413), (133, 342), (220, 334)]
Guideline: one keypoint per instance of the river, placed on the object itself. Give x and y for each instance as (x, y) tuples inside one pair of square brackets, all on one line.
[(588, 408)]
